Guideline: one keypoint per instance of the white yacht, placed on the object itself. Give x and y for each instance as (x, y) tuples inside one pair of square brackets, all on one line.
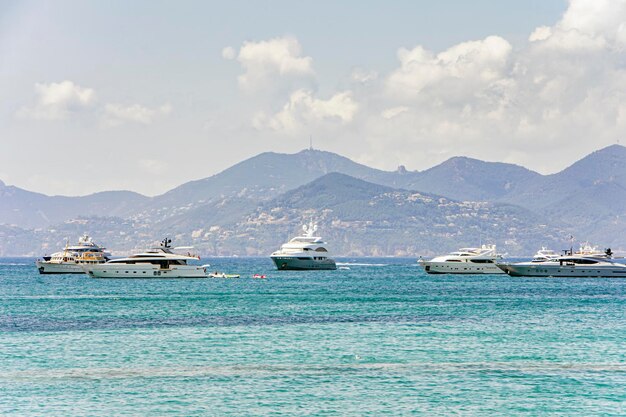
[(465, 261), (544, 255), (304, 252), (586, 249), (73, 258), (567, 266), (158, 262)]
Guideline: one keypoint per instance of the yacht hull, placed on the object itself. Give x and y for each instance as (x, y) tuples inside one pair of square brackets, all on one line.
[(145, 271), (286, 263), (556, 271), (460, 268), (45, 267)]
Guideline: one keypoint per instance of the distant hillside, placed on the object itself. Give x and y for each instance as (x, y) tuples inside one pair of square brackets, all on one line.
[(605, 166), (267, 175), (239, 205), (270, 174), (32, 210), (361, 218), (357, 217), (117, 234), (589, 196), (463, 178)]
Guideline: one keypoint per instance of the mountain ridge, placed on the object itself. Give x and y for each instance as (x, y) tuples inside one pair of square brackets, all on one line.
[(373, 174), (360, 218), (32, 209), (588, 198)]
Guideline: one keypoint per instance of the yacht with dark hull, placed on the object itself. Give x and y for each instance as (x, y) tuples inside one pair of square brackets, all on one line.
[(306, 252)]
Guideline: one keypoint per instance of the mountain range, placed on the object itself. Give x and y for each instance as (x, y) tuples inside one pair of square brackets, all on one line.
[(252, 207)]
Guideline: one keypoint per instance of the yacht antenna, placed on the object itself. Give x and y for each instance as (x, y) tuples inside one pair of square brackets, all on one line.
[(571, 248), (310, 142)]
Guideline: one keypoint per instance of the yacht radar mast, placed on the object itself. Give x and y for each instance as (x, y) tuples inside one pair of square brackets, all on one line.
[(84, 239)]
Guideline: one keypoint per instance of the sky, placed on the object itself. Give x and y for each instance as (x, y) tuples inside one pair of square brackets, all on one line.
[(147, 95)]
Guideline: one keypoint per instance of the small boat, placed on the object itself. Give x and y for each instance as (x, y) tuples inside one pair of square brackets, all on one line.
[(259, 276), (217, 274)]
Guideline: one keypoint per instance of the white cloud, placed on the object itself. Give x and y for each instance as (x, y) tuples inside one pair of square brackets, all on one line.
[(229, 53), (540, 34), (550, 99), (594, 17), (587, 25), (362, 76), (487, 100), (57, 101), (265, 61), (304, 110), (116, 114), (571, 40), (474, 63), (393, 112), (480, 98)]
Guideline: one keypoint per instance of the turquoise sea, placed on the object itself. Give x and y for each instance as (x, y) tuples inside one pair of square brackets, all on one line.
[(380, 338)]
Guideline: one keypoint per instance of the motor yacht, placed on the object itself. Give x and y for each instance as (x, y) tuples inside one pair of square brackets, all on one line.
[(544, 255), (73, 258), (480, 260), (304, 252), (586, 249), (567, 266), (158, 262)]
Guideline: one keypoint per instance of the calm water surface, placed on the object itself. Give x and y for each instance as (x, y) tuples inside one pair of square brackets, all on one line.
[(379, 338)]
